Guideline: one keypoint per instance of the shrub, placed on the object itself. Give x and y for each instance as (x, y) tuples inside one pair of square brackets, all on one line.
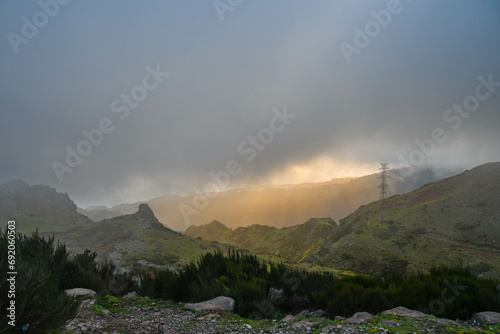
[(44, 270), (249, 280), (40, 304)]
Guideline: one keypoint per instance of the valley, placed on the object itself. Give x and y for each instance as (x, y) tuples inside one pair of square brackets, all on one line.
[(440, 223)]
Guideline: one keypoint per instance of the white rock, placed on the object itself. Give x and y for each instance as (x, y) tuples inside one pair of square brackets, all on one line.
[(401, 311), (359, 318), (80, 292), (218, 303), (487, 317)]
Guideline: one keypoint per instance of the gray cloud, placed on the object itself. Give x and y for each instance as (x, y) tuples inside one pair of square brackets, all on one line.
[(225, 80)]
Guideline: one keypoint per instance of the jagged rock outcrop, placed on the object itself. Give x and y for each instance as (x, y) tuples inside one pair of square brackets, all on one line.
[(148, 219)]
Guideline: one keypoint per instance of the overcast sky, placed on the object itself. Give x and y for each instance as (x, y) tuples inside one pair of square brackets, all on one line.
[(326, 88)]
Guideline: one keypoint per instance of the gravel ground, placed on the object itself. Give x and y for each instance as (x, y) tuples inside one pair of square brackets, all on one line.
[(139, 315)]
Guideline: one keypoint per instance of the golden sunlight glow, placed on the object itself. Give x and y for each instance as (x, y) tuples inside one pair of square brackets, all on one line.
[(322, 169)]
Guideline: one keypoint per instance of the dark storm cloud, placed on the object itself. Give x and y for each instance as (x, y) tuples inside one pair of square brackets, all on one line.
[(226, 78)]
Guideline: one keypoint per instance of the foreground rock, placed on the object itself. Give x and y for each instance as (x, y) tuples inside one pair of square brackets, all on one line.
[(401, 311), (80, 292), (141, 315), (218, 303), (487, 318), (359, 318)]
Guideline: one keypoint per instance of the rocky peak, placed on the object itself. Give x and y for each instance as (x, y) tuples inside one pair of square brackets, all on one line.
[(145, 211), (148, 219), (216, 225)]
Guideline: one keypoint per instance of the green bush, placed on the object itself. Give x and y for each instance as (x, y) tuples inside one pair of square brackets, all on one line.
[(241, 276), (40, 303), (44, 270), (247, 296), (249, 280)]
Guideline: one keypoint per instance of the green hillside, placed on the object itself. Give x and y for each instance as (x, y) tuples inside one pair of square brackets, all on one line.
[(456, 219), (136, 240), (444, 222), (294, 243)]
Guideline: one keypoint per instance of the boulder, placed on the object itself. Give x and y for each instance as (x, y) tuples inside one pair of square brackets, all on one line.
[(218, 303), (288, 318), (401, 311), (359, 318), (317, 313), (131, 295), (303, 314), (80, 292), (328, 329), (487, 318), (276, 296), (305, 325)]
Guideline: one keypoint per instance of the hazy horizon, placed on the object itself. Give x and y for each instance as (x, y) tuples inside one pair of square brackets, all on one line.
[(123, 101)]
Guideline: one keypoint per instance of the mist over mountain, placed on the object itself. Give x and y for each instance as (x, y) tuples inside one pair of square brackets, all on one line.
[(38, 206), (277, 206)]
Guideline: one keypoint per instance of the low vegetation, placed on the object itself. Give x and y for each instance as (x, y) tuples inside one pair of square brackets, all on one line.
[(261, 289), (266, 289), (44, 270)]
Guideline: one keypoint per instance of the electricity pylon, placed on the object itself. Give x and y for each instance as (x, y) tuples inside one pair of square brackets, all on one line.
[(383, 189)]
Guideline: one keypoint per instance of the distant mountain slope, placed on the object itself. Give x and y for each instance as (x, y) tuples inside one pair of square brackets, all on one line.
[(281, 206), (38, 206), (293, 242), (456, 219), (278, 206), (99, 213)]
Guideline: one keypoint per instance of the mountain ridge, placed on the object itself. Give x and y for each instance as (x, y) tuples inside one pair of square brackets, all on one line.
[(134, 240), (38, 206), (439, 223), (277, 205)]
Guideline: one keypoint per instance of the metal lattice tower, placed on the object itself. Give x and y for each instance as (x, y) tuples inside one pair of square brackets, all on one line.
[(383, 189)]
